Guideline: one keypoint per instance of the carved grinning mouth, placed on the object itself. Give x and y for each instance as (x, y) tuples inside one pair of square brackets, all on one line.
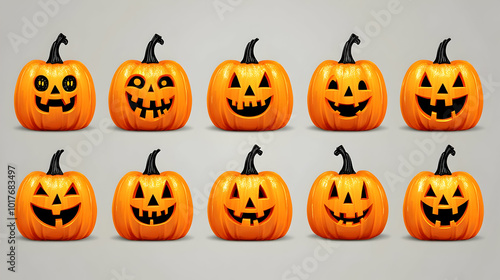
[(445, 216), (55, 103), (46, 216), (157, 217), (254, 220), (348, 110), (162, 109), (442, 111), (249, 110), (342, 219)]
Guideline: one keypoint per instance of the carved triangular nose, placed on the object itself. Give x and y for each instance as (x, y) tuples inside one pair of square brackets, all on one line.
[(56, 200), (348, 199), (152, 201), (55, 90), (151, 88), (442, 89), (249, 92), (348, 92), (443, 201), (250, 204)]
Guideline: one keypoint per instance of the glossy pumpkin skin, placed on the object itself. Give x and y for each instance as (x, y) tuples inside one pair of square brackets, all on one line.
[(68, 199), (164, 195), (355, 195), (248, 197), (448, 84), (150, 95), (261, 100), (431, 196), (46, 97), (347, 95)]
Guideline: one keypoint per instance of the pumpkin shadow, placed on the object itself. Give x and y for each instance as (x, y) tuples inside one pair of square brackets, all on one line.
[(380, 237), (407, 128), (413, 239), (214, 128), (213, 237), (119, 238), (118, 129), (22, 128), (90, 238), (380, 128)]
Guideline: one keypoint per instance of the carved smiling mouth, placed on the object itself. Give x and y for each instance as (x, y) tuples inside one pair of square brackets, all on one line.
[(342, 219), (157, 217), (162, 109), (348, 110), (46, 216), (442, 111), (445, 216), (252, 217), (55, 103), (249, 110)]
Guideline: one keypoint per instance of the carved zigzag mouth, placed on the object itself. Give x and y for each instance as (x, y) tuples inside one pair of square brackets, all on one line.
[(342, 219), (252, 217), (46, 216), (442, 111), (157, 110), (157, 217), (445, 216), (249, 110), (55, 103), (348, 110)]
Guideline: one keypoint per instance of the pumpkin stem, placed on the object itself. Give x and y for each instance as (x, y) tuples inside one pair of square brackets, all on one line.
[(54, 57), (150, 56), (443, 161), (346, 53), (347, 166), (54, 168), (249, 168), (441, 57), (249, 57), (151, 164)]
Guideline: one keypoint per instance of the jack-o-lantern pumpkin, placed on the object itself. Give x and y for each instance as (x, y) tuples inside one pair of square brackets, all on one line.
[(150, 95), (152, 205), (54, 95), (55, 205), (443, 205), (441, 95), (250, 205), (250, 95), (348, 94), (348, 204)]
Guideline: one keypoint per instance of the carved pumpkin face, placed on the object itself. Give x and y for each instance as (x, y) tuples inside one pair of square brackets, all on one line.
[(250, 95), (150, 95), (152, 205), (443, 205), (250, 205), (55, 205), (347, 95), (54, 95), (348, 204), (441, 95)]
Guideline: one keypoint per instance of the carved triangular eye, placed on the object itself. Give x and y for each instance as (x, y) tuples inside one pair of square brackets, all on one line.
[(235, 83), (333, 85), (234, 193), (71, 190), (364, 194), (459, 82), (262, 193), (138, 192), (334, 192), (430, 193), (264, 82), (166, 191), (425, 82), (362, 85), (41, 191), (458, 193)]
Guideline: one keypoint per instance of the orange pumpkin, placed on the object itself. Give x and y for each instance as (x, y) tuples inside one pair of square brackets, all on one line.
[(150, 95), (348, 204), (250, 205), (443, 205), (441, 95), (250, 95), (55, 205), (54, 95), (347, 95), (152, 205)]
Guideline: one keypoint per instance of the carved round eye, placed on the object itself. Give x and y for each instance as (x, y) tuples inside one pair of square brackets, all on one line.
[(262, 193), (165, 81), (234, 193), (362, 85), (41, 83), (136, 81), (69, 83)]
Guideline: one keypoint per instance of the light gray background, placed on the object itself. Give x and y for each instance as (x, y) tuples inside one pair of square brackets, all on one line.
[(299, 35)]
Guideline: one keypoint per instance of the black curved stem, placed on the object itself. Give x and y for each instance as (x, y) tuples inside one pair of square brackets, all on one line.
[(54, 57), (347, 166), (150, 56), (249, 168), (54, 168), (249, 57), (151, 164), (347, 53), (441, 57), (443, 161)]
